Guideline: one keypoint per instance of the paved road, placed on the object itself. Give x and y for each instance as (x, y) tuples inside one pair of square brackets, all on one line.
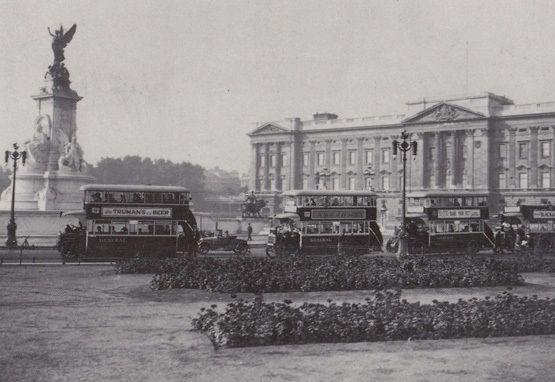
[(64, 323)]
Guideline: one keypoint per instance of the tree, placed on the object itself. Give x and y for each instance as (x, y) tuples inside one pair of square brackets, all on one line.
[(137, 170), (4, 178)]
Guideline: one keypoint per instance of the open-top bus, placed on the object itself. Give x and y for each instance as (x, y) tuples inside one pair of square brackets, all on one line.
[(126, 220), (316, 221), (447, 222), (536, 220)]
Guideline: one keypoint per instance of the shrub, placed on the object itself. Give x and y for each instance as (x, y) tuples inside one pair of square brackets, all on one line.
[(529, 263), (330, 273), (384, 317)]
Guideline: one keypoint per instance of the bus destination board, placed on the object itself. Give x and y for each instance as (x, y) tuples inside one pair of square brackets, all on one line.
[(544, 214), (136, 212), (338, 214), (458, 214)]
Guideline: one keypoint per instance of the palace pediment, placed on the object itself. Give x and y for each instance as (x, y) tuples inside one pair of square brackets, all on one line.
[(268, 128), (443, 112)]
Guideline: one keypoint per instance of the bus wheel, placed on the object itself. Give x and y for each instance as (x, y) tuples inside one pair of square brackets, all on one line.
[(270, 252), (544, 245), (417, 249), (472, 248), (203, 248)]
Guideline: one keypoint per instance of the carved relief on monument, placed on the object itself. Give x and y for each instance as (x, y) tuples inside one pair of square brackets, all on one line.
[(71, 158), (38, 147)]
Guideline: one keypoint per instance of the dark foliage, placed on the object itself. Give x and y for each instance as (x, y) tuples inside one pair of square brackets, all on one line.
[(384, 317), (328, 273), (529, 263), (137, 170)]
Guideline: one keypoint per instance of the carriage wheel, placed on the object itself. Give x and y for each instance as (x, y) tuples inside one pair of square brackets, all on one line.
[(203, 248), (241, 249)]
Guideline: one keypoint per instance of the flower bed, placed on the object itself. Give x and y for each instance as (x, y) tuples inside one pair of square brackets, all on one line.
[(529, 263), (256, 275), (382, 318)]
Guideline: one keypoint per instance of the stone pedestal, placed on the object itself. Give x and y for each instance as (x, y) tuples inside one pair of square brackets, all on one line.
[(50, 182)]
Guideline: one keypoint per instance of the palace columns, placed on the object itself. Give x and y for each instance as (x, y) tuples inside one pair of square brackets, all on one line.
[(456, 180), (254, 165), (279, 164), (469, 160), (416, 164), (436, 164), (360, 161), (534, 156), (511, 182), (292, 166), (266, 166), (377, 162), (311, 167), (395, 182), (344, 163)]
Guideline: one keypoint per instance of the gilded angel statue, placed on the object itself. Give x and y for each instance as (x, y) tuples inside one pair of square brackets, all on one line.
[(60, 41)]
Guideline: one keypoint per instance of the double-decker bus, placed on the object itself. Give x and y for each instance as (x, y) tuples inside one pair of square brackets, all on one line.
[(448, 222), (127, 220), (536, 220), (316, 221)]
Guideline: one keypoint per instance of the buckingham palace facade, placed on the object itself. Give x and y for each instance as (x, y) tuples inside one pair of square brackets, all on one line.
[(482, 143)]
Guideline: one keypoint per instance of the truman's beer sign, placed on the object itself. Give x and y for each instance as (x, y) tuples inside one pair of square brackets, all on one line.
[(136, 212), (458, 214)]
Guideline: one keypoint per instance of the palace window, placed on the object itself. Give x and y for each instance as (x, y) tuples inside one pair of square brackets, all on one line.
[(523, 180), (336, 158), (335, 183), (449, 181), (502, 150), (352, 158), (305, 159), (502, 177), (385, 156), (545, 179), (400, 184), (368, 183), (272, 160), (272, 184), (369, 156), (284, 159), (305, 183), (465, 151), (321, 158), (546, 149), (385, 183), (352, 183), (262, 160), (523, 150)]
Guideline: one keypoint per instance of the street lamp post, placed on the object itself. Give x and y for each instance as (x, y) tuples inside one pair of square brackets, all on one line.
[(12, 227), (404, 147)]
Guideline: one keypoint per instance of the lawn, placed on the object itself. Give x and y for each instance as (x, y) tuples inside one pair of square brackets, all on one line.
[(68, 323)]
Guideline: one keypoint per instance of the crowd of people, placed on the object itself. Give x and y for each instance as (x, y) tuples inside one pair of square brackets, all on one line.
[(512, 240)]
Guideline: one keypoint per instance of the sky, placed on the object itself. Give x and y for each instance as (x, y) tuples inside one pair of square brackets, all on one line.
[(187, 80)]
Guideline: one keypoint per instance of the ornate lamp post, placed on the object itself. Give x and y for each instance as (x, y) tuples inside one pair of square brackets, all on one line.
[(404, 147), (324, 173), (12, 227)]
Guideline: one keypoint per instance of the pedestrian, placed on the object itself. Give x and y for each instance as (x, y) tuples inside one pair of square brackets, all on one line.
[(510, 239), (341, 244), (498, 242), (249, 232)]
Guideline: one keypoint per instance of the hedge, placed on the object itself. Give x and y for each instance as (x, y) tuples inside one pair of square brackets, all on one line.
[(384, 317), (333, 273)]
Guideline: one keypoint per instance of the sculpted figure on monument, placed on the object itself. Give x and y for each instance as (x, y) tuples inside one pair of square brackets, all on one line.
[(57, 70), (72, 157), (37, 148), (60, 41)]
